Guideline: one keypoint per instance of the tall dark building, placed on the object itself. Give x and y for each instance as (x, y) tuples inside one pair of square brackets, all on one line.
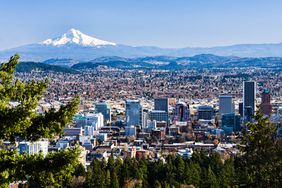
[(231, 123), (161, 104), (265, 106), (103, 108), (248, 113), (249, 98), (241, 109), (205, 112)]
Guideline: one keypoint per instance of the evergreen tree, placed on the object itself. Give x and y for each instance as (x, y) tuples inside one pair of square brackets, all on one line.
[(22, 122), (111, 163), (261, 161), (180, 168), (80, 170), (216, 163), (170, 171), (227, 175), (96, 175), (142, 166), (114, 180), (211, 180), (192, 174), (108, 178), (125, 172)]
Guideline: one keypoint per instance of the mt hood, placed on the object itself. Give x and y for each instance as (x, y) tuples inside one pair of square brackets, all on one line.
[(81, 47), (74, 36)]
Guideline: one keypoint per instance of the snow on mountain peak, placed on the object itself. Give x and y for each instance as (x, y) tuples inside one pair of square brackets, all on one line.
[(74, 36)]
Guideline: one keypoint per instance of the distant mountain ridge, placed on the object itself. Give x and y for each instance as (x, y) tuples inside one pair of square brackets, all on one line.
[(174, 63), (202, 61), (81, 47), (35, 66)]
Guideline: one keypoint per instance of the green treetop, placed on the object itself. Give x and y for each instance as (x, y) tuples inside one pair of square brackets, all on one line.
[(20, 121)]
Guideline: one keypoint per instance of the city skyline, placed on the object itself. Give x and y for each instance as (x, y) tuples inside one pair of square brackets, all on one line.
[(140, 93), (188, 24)]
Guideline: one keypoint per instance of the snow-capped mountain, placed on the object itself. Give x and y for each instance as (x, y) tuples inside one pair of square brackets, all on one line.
[(81, 47), (74, 36)]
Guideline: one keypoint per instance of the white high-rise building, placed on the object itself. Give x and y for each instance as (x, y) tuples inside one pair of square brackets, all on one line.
[(226, 105), (94, 120), (34, 147)]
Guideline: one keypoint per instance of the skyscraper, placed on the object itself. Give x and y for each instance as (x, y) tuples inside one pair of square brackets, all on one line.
[(181, 112), (249, 99), (134, 113), (94, 120), (158, 115), (241, 109), (231, 123), (205, 112), (162, 104), (103, 108), (226, 105), (265, 106)]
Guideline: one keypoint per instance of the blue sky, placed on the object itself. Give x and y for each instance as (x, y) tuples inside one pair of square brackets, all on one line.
[(164, 23)]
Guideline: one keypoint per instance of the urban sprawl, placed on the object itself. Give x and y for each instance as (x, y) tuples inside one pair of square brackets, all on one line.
[(154, 113)]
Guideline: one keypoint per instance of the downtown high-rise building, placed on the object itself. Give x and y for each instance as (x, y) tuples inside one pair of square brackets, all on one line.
[(134, 113), (103, 108), (226, 105), (161, 110), (249, 99), (265, 106), (205, 112), (240, 107), (181, 112), (94, 120), (161, 104), (231, 123), (158, 115)]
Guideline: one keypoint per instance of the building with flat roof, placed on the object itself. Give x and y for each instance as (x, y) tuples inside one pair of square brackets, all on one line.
[(162, 104), (226, 105), (158, 115), (231, 123), (105, 109), (265, 106), (249, 99), (34, 147), (94, 120), (134, 113), (205, 112)]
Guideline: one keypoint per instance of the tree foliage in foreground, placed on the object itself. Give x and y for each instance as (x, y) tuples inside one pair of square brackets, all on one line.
[(200, 171), (261, 161), (20, 121)]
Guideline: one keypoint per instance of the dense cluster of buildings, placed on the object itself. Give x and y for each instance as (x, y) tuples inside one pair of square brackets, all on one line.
[(138, 125), (167, 126)]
